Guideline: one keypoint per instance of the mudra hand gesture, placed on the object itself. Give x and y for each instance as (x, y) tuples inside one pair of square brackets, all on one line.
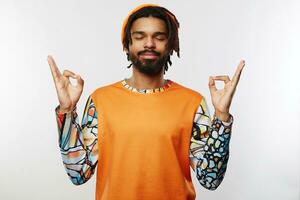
[(68, 94), (221, 98)]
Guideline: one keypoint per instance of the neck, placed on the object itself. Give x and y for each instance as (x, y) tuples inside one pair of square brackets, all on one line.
[(142, 81)]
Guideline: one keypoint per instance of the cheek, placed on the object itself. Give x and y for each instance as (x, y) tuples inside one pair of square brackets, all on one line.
[(133, 48), (161, 46)]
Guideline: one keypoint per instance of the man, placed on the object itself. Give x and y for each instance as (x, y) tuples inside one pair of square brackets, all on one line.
[(145, 132)]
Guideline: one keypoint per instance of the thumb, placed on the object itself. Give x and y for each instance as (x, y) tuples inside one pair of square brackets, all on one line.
[(212, 85), (68, 73)]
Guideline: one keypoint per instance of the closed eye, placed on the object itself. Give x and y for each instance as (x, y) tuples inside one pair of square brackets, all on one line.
[(139, 38), (161, 38)]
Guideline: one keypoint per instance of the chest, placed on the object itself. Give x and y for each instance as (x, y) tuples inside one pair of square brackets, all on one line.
[(147, 120)]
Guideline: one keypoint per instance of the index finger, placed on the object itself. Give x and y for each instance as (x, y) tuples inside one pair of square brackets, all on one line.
[(237, 74), (54, 70)]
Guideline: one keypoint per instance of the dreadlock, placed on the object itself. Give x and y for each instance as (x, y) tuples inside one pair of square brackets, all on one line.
[(158, 12)]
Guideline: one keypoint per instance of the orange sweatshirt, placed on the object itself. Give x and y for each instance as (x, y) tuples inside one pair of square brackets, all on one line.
[(146, 143)]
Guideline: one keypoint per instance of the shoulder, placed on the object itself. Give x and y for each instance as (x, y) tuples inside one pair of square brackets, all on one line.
[(188, 91), (105, 88)]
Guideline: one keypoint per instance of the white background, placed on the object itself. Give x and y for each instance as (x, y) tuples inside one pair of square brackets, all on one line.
[(84, 36)]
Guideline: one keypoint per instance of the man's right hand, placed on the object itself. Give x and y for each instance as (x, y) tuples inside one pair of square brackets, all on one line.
[(68, 94)]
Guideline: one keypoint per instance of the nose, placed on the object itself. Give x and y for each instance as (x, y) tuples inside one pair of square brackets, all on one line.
[(149, 43)]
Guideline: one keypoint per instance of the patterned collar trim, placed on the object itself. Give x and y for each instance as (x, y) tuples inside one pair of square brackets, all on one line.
[(167, 84)]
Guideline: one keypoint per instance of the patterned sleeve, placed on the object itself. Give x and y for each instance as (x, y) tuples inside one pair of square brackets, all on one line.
[(78, 144), (209, 147)]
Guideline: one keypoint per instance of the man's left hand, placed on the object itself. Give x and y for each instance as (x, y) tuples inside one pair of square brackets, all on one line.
[(221, 98)]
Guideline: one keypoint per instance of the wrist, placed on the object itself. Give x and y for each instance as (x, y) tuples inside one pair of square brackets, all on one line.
[(223, 116), (63, 110)]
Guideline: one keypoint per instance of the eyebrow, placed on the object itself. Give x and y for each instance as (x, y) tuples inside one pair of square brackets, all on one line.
[(143, 33)]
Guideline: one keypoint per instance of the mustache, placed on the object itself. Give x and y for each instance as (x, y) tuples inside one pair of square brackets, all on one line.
[(147, 51)]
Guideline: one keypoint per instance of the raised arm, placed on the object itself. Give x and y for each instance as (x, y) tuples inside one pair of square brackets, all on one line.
[(209, 147), (78, 143)]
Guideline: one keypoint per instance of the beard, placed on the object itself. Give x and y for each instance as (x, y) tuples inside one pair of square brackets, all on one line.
[(150, 67)]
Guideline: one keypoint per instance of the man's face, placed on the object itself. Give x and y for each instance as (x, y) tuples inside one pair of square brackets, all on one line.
[(148, 51)]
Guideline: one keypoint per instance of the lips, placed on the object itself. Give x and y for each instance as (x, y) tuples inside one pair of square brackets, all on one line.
[(148, 55)]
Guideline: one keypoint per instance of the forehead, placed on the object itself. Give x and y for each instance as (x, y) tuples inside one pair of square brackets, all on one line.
[(149, 25)]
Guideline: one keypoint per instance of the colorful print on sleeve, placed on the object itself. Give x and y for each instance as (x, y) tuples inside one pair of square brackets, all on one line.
[(209, 147), (78, 144)]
